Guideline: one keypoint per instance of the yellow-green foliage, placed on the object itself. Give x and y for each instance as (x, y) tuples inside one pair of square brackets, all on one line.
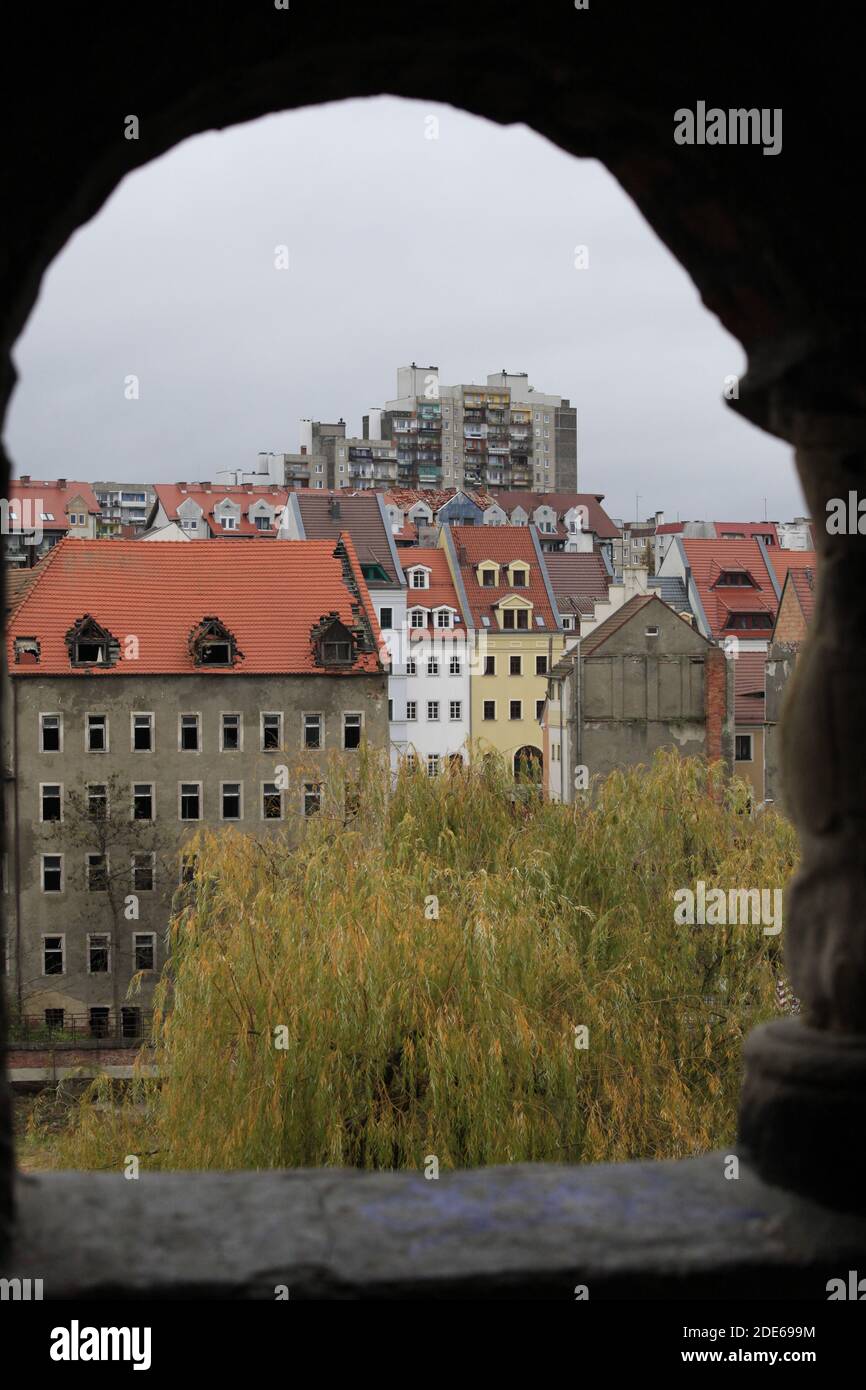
[(409, 1034)]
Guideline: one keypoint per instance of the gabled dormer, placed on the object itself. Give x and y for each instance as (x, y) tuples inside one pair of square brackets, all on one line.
[(227, 514), (418, 576), (417, 616), (487, 574), (189, 514), (211, 644), (90, 644), (518, 574), (334, 643), (514, 613), (735, 577), (519, 517), (445, 617)]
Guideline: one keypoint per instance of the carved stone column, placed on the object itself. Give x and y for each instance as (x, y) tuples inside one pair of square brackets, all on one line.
[(803, 1104)]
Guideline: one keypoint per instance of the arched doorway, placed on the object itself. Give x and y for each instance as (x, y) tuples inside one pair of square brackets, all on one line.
[(529, 764)]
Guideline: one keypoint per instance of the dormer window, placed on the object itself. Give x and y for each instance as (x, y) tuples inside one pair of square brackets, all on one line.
[(515, 619), (745, 621), (739, 579), (89, 644), (418, 617), (229, 523), (519, 578), (334, 642), (211, 644), (419, 578), (26, 651), (443, 617)]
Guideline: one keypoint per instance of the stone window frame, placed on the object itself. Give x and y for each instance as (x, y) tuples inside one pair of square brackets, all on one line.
[(231, 714), (278, 791), (139, 854), (143, 820), (97, 714), (313, 714), (53, 854), (53, 936), (279, 746), (199, 734), (96, 854), (142, 714), (50, 714), (99, 935), (232, 820), (92, 786), (190, 820), (50, 820)]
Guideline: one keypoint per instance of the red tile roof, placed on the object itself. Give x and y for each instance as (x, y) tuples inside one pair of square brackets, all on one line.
[(502, 544), (783, 561), (578, 580), (708, 559), (562, 502), (406, 497), (441, 590), (52, 499), (171, 495), (359, 515), (750, 529), (750, 676), (269, 597)]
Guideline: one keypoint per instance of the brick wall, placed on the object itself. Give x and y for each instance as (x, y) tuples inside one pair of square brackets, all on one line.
[(790, 623)]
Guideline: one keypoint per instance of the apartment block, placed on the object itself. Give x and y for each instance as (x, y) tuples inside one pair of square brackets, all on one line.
[(124, 507), (39, 513)]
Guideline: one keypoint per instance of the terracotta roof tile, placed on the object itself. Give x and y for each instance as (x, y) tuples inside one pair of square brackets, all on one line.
[(359, 515), (269, 597), (708, 560), (472, 544)]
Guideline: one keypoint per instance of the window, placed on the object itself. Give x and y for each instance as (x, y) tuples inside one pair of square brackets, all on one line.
[(411, 710), (263, 523), (54, 1020), (735, 579), (390, 711), (51, 801), (432, 764), (313, 730), (272, 731), (490, 665), (96, 873), (188, 868), (96, 794), (489, 711), (97, 733), (443, 617), (130, 1021), (386, 617), (54, 955), (98, 953), (567, 624), (651, 632), (144, 950), (231, 733), (143, 872), (749, 620), (515, 666), (272, 801), (743, 748), (99, 1022), (539, 710), (488, 579), (52, 873), (432, 709), (541, 665), (518, 580), (229, 523), (418, 577), (312, 798), (433, 666), (455, 709), (418, 617), (51, 733), (142, 801), (142, 733), (352, 725), (455, 666), (515, 709), (190, 800), (515, 618), (189, 732), (230, 801)]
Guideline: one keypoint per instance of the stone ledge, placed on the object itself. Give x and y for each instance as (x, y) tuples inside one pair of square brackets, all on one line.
[(640, 1230)]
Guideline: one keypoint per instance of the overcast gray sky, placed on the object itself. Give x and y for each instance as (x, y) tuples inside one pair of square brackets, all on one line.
[(457, 251)]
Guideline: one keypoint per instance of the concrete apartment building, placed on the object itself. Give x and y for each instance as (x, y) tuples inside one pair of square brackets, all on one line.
[(643, 680), (506, 597), (123, 506), (504, 434), (156, 690), (40, 513)]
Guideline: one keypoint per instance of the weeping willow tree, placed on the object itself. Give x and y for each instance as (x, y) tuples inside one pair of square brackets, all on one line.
[(452, 967)]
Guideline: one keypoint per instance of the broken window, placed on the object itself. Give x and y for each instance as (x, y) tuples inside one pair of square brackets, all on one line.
[(189, 732), (352, 725), (142, 801), (97, 873), (53, 955), (89, 644), (231, 733), (50, 726), (97, 800), (52, 873), (190, 800), (97, 733), (272, 731), (130, 1021), (142, 872), (100, 1022), (312, 798), (142, 733), (144, 950), (272, 801), (98, 948), (231, 801), (211, 644), (51, 801), (312, 731)]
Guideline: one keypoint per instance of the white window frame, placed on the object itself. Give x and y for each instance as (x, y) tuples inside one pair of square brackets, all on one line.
[(433, 704), (135, 935), (312, 714), (189, 714), (50, 714), (95, 854), (232, 820), (54, 935), (142, 714), (232, 714), (152, 857), (319, 787), (96, 714), (87, 787), (281, 792), (51, 891), (455, 666), (352, 714), (413, 706), (91, 935), (271, 714), (189, 820), (132, 815), (452, 705), (42, 786)]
